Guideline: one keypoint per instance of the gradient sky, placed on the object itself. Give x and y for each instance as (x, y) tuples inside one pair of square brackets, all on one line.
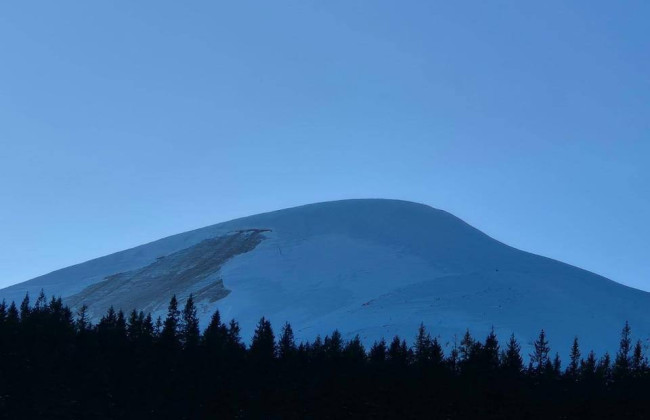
[(124, 122)]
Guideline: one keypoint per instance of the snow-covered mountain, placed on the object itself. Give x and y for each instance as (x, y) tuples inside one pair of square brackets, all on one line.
[(369, 267)]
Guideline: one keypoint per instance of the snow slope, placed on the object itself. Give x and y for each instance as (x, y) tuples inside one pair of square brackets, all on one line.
[(369, 267)]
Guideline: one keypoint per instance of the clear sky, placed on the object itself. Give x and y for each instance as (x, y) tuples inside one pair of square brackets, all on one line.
[(123, 122)]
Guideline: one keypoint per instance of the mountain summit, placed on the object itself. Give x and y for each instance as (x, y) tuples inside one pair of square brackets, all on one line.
[(369, 267)]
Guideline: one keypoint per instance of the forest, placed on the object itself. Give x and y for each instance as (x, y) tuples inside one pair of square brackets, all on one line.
[(56, 364)]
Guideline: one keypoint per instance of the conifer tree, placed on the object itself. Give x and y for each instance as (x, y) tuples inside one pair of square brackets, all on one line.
[(423, 351), (588, 367), (490, 351), (82, 323), (511, 359), (148, 328), (437, 354), (215, 336), (639, 362), (604, 368), (190, 325), (234, 339), (333, 345), (316, 348), (108, 321), (378, 352), (12, 315), (557, 366), (622, 361), (286, 344), (467, 347), (539, 358), (398, 352), (574, 361), (169, 336), (354, 351), (134, 326), (120, 323), (24, 308), (41, 302), (263, 344)]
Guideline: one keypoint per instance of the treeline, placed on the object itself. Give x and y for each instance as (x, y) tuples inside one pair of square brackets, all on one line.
[(56, 364)]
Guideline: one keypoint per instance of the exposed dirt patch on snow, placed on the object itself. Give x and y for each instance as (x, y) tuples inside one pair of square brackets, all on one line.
[(192, 270)]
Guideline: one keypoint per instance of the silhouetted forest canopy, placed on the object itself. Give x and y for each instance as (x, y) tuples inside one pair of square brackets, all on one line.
[(56, 364)]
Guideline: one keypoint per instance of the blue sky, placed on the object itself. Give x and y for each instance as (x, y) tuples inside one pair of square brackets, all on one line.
[(123, 122)]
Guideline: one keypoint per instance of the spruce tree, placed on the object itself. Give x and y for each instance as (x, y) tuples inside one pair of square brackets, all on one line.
[(588, 367), (24, 308), (557, 366), (539, 358), (574, 361), (333, 345), (437, 354), (13, 316), (467, 347), (639, 362), (354, 351), (148, 327), (604, 368), (190, 325), (286, 344), (120, 323), (263, 343), (490, 351), (398, 352), (41, 302), (108, 321), (423, 351), (215, 336), (169, 336), (82, 323), (134, 326), (378, 352), (622, 361), (511, 359), (234, 343)]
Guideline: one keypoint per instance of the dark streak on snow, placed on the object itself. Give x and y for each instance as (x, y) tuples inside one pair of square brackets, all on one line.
[(186, 271)]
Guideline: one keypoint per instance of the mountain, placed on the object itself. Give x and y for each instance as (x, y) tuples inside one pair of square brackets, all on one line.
[(369, 267)]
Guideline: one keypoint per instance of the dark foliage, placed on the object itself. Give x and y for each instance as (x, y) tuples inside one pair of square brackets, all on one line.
[(57, 365)]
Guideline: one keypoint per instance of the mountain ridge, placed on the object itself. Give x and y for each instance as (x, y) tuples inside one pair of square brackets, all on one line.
[(374, 267)]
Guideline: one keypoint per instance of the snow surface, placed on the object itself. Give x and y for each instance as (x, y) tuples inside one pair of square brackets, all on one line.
[(379, 268)]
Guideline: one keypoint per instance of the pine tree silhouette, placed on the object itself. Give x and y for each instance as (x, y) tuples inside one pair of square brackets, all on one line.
[(354, 351), (622, 362), (604, 369), (190, 325), (423, 351), (574, 361), (539, 358), (286, 344), (588, 367), (25, 308), (490, 351), (639, 362), (511, 359), (333, 345), (169, 336), (262, 348), (378, 352)]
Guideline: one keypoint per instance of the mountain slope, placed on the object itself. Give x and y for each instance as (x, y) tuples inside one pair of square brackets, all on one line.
[(368, 267)]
